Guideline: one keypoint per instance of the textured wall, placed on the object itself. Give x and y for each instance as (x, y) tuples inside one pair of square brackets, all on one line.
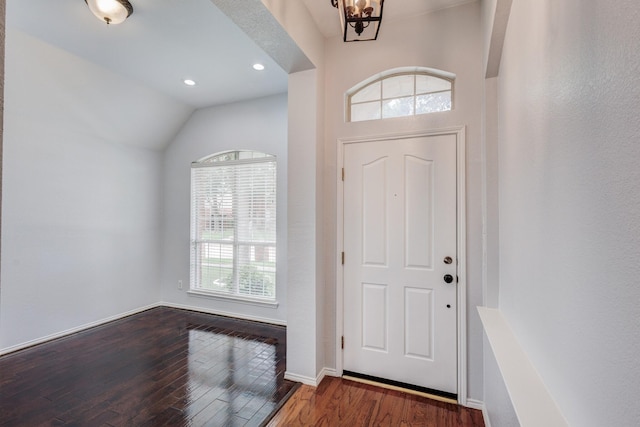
[(570, 202), (3, 9), (80, 226), (303, 331)]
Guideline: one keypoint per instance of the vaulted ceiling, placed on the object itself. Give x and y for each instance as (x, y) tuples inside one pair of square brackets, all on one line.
[(162, 43), (166, 41)]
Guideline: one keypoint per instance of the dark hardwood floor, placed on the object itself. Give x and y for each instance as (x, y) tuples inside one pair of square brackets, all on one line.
[(180, 368), (339, 402), (160, 367)]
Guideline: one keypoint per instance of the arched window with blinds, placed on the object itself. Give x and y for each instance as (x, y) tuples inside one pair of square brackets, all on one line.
[(233, 225)]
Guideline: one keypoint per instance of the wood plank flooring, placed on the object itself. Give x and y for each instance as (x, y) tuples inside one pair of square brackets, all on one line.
[(160, 367), (180, 368), (339, 402)]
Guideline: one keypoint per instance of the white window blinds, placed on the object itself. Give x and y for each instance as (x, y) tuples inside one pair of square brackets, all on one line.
[(233, 225)]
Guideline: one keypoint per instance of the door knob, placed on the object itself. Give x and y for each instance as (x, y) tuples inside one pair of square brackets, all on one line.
[(448, 278)]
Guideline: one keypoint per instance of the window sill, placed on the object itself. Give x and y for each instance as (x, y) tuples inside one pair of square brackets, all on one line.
[(232, 298)]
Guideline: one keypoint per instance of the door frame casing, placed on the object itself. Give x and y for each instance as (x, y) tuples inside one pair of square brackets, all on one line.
[(461, 236)]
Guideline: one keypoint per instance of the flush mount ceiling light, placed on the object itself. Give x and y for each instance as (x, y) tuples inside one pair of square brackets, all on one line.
[(110, 11), (360, 18), (189, 82), (258, 67)]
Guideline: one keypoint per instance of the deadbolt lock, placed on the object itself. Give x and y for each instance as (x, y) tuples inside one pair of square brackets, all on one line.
[(448, 260)]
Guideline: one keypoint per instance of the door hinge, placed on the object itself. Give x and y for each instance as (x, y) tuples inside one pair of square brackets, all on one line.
[(457, 279), (342, 342), (342, 258), (343, 174)]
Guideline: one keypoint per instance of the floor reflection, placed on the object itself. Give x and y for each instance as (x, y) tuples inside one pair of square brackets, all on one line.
[(160, 367), (231, 378)]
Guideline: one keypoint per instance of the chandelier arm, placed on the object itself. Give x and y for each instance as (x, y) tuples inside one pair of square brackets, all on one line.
[(364, 23)]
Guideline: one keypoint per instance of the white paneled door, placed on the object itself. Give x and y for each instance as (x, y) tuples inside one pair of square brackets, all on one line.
[(400, 252)]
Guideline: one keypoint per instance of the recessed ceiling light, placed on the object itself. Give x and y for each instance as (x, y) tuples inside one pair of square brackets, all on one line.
[(189, 82), (258, 67)]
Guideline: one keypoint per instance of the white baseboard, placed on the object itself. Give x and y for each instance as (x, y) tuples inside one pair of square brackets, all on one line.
[(225, 313), (81, 328), (485, 416), (313, 382), (330, 372), (300, 379), (477, 404), (86, 326), (326, 372)]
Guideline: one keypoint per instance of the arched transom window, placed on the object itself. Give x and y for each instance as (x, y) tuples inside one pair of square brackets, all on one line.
[(400, 93)]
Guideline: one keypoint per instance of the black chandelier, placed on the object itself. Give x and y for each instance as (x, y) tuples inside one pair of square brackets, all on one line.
[(360, 19)]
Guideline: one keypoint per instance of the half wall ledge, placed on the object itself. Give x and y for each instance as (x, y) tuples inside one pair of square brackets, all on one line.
[(530, 398)]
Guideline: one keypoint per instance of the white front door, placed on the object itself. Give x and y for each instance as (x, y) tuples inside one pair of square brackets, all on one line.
[(399, 243)]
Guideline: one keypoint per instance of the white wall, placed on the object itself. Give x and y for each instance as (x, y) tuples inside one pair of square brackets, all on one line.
[(488, 18), (491, 202), (306, 335), (449, 40), (496, 399), (495, 16), (81, 199), (569, 201), (295, 18), (259, 125), (305, 290)]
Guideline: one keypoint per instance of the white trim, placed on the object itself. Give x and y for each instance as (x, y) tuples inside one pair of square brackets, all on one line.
[(338, 259), (327, 372), (313, 382), (397, 135), (532, 402), (234, 298), (200, 163), (441, 74), (301, 379), (475, 404), (485, 416), (75, 330), (461, 156), (461, 169), (479, 405), (226, 313)]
